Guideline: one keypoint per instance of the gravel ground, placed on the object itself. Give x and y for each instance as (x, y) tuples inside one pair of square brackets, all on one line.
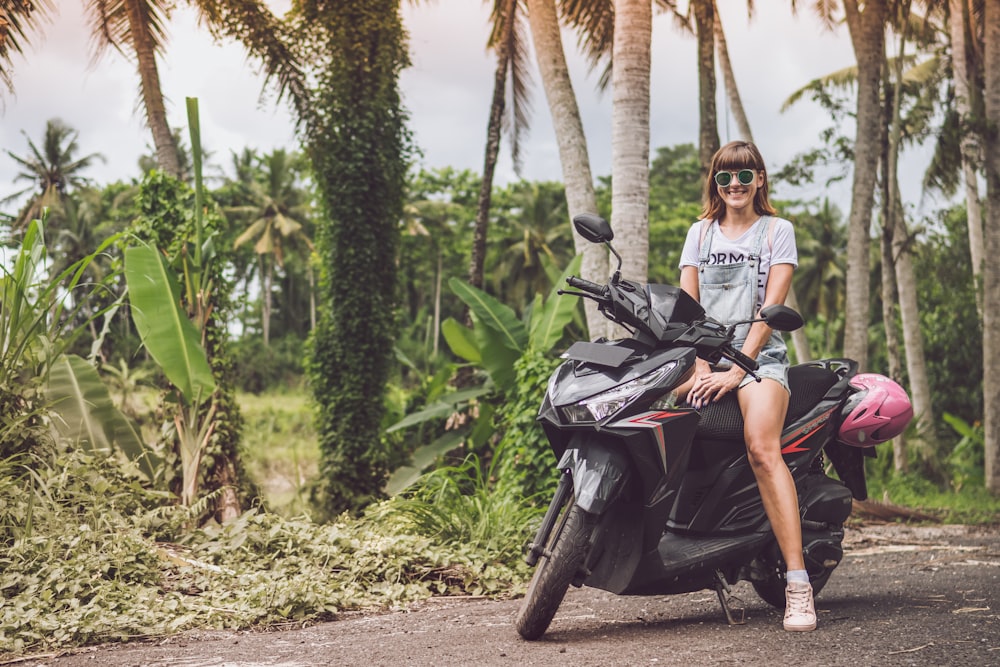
[(913, 596)]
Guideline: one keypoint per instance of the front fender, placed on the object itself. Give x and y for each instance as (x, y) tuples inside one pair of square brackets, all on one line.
[(598, 472)]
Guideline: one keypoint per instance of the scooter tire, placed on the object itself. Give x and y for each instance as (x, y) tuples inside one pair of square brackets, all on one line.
[(566, 549), (772, 591)]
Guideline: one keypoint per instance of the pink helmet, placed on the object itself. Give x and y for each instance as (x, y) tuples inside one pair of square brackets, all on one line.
[(879, 411)]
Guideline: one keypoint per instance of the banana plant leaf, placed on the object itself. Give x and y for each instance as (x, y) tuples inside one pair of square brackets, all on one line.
[(493, 314), (165, 329), (461, 340), (423, 457), (439, 409), (88, 416), (549, 320)]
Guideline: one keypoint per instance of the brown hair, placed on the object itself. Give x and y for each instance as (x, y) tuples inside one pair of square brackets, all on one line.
[(734, 156)]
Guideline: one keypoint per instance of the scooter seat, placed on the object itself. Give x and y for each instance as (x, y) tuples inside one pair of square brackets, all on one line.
[(808, 384)]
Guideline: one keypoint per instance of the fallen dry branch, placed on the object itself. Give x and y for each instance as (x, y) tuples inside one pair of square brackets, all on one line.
[(885, 511)]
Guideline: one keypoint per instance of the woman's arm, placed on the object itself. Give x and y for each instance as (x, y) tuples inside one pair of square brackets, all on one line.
[(689, 281)]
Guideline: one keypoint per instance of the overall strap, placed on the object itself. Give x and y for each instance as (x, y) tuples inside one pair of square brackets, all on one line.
[(758, 242), (707, 228)]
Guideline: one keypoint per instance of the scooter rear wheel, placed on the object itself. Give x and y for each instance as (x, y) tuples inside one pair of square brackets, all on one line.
[(772, 591), (564, 554)]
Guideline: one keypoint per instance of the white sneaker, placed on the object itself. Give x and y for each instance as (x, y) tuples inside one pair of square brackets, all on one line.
[(800, 614)]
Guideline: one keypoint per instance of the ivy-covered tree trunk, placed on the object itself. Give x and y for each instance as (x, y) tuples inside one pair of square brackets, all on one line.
[(356, 138)]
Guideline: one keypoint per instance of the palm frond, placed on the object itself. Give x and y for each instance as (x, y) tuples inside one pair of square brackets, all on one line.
[(842, 79), (265, 37), (17, 19), (594, 23)]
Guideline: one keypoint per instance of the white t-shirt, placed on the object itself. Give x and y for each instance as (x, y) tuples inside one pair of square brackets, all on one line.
[(781, 249)]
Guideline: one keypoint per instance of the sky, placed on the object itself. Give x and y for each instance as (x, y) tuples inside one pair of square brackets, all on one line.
[(447, 92)]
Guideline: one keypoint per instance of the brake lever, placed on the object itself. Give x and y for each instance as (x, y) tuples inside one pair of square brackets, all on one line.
[(583, 294)]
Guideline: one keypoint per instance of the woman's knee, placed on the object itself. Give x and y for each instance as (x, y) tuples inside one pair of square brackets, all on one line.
[(764, 453)]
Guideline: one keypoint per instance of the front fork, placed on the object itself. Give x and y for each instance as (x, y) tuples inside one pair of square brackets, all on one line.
[(589, 474), (563, 491)]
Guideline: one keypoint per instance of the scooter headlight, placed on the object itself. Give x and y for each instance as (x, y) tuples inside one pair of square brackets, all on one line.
[(607, 403)]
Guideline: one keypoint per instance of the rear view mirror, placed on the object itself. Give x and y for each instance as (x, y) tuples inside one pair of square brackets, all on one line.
[(781, 318), (593, 227)]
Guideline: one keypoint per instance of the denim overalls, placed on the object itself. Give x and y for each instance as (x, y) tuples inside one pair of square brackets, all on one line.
[(729, 292)]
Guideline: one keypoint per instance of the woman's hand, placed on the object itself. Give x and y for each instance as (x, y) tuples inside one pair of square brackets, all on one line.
[(709, 387)]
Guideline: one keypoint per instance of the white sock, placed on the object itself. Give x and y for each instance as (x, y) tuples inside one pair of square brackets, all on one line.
[(800, 576)]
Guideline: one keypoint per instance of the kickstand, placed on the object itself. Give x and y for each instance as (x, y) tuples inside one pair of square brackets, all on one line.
[(725, 599)]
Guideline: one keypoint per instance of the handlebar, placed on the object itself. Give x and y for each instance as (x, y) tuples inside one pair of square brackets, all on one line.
[(587, 286)]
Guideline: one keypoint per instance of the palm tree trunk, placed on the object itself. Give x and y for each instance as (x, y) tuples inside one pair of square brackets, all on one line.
[(152, 94), (963, 102), (729, 78), (572, 142), (630, 134), (708, 134), (991, 270), (478, 255), (890, 296), (267, 269), (867, 30)]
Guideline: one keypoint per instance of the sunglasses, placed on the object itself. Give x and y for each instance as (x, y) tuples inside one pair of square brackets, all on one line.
[(744, 176)]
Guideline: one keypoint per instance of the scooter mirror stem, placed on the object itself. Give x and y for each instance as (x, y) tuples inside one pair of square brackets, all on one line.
[(617, 256)]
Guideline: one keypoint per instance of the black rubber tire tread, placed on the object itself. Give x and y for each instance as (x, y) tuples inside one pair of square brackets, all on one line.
[(553, 574), (772, 591)]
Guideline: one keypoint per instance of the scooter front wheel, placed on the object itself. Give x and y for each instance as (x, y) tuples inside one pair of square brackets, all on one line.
[(563, 556)]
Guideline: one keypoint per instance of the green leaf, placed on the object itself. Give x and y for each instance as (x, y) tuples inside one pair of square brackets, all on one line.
[(442, 407), (423, 457), (493, 314), (548, 322), (498, 359), (461, 340), (171, 338), (88, 415)]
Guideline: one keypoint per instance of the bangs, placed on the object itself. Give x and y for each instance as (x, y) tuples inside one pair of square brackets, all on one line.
[(733, 158)]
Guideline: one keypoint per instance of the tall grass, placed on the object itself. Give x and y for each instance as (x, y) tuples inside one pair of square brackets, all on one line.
[(465, 504)]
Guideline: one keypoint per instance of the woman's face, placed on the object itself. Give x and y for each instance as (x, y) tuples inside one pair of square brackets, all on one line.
[(738, 194)]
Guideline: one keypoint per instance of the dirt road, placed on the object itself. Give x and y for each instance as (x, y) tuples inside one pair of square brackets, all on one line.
[(904, 596)]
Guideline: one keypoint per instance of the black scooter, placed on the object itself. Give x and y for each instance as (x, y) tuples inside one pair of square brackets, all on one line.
[(656, 498)]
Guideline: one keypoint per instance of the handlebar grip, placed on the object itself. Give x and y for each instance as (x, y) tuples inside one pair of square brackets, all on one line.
[(586, 286)]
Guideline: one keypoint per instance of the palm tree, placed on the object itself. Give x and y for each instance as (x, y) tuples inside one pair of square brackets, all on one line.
[(898, 254), (53, 170), (706, 27), (728, 77), (136, 28), (958, 22), (867, 29), (991, 242), (819, 280), (630, 134), (507, 41), (277, 216), (536, 238), (572, 143)]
